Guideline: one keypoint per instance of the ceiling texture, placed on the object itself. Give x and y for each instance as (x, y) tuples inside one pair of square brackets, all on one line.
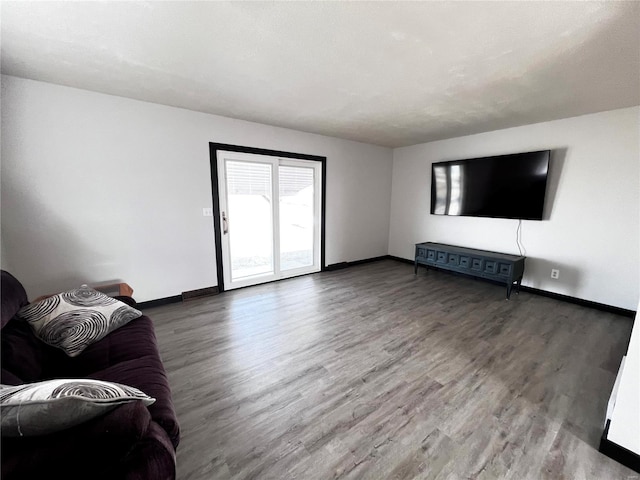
[(387, 73)]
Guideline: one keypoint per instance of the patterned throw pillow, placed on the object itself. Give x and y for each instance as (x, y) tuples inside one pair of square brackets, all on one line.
[(75, 319), (47, 407)]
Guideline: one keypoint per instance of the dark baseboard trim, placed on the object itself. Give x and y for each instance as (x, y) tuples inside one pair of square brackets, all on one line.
[(400, 259), (565, 298), (160, 301), (200, 292), (341, 265), (618, 453), (579, 301), (336, 266), (369, 260)]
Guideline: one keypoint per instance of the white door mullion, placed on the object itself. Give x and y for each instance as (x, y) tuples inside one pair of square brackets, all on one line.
[(275, 186), (317, 182)]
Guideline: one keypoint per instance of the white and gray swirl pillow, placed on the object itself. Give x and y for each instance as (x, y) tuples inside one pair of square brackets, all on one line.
[(46, 407), (75, 319)]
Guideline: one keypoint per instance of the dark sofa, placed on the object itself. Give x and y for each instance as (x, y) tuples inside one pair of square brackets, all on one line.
[(131, 442)]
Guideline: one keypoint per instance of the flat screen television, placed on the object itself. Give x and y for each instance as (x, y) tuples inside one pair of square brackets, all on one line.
[(504, 186)]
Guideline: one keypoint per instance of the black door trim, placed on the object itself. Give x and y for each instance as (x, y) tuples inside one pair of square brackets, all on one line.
[(213, 161)]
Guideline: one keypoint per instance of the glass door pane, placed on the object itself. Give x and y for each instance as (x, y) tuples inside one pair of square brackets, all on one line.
[(250, 219), (297, 197)]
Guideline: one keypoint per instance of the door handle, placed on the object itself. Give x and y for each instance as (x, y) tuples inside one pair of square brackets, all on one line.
[(225, 224)]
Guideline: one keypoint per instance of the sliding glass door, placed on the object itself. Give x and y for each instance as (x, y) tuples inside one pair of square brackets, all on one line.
[(269, 216)]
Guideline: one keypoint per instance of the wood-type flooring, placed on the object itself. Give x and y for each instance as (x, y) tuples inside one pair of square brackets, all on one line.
[(372, 372)]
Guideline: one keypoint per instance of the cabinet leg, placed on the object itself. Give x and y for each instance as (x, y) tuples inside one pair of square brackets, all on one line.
[(518, 288), (509, 286), (415, 268)]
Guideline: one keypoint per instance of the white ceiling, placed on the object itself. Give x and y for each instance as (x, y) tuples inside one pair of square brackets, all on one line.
[(387, 73)]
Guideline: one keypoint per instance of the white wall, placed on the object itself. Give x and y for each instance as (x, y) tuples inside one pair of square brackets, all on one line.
[(592, 204), (97, 187)]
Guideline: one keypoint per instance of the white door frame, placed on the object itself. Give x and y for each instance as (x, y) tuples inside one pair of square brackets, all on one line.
[(225, 223)]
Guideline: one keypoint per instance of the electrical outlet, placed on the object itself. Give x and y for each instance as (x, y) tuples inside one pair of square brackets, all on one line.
[(555, 273), (207, 212)]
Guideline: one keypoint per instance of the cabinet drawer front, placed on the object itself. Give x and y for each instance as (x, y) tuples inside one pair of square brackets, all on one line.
[(452, 259), (441, 257), (490, 266), (431, 255), (476, 264), (504, 269), (422, 252), (464, 261)]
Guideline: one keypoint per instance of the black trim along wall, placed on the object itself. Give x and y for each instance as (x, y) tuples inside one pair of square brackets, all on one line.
[(544, 293), (339, 266)]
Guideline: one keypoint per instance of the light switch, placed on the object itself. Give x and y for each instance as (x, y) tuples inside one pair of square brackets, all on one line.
[(207, 212)]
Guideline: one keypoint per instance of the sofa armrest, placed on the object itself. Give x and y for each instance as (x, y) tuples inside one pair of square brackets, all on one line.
[(95, 446), (152, 458), (128, 300)]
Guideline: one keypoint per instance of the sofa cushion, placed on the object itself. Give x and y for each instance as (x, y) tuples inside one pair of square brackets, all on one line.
[(147, 374), (130, 356), (22, 353), (9, 378), (95, 446), (14, 296), (75, 319), (132, 341), (46, 407)]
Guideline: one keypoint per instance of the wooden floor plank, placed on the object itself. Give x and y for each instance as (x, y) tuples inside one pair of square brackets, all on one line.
[(373, 372)]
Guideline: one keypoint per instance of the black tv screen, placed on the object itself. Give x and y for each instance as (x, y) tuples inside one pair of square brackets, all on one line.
[(504, 186)]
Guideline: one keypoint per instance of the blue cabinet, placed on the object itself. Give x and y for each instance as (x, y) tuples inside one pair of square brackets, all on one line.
[(501, 267)]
